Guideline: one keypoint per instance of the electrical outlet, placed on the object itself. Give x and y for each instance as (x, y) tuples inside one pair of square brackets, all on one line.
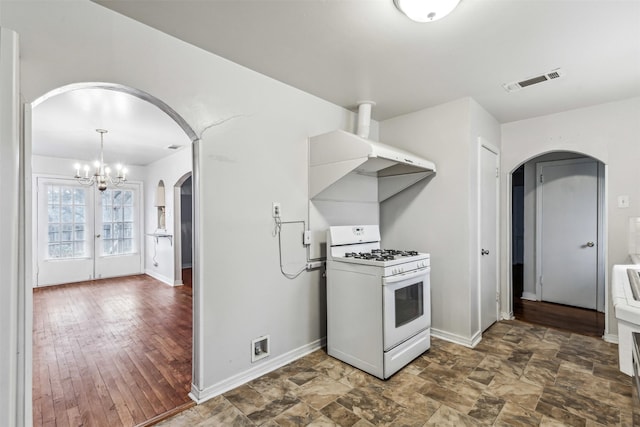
[(275, 209), (623, 201)]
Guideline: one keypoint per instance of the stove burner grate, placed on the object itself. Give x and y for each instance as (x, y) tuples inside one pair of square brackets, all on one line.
[(381, 254)]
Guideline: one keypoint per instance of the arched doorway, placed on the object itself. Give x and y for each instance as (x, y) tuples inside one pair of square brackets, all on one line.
[(544, 264), (168, 111)]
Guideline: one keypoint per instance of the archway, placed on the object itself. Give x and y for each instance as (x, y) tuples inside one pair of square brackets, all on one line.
[(163, 107), (525, 241)]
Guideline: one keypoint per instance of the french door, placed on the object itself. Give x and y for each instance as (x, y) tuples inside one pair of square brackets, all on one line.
[(83, 234)]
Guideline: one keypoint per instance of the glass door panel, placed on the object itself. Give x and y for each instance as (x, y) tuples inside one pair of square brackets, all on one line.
[(65, 232)]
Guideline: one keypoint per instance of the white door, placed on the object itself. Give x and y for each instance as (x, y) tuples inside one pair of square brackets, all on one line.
[(65, 232), (117, 236), (83, 234), (567, 223), (488, 265)]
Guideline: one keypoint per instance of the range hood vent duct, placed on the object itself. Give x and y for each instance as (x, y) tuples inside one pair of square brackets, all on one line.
[(364, 118), (551, 75)]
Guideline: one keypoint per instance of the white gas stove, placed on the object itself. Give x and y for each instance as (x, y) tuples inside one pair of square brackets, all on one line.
[(369, 288)]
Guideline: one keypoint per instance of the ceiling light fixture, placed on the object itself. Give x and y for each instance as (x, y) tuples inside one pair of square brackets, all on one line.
[(426, 10), (102, 174)]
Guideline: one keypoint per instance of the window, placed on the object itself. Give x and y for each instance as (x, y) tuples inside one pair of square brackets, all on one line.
[(67, 222), (117, 222)]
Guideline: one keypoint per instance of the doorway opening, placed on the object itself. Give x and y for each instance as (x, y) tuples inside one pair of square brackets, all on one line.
[(183, 205), (558, 280), (119, 376)]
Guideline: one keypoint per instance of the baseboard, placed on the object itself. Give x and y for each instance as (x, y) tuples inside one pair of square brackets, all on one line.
[(200, 396), (457, 339), (160, 277), (611, 338), (507, 316), (529, 296)]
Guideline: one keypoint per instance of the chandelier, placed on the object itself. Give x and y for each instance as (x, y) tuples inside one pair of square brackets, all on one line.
[(102, 173)]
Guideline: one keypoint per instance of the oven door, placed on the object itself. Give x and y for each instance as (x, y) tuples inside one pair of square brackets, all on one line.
[(407, 306)]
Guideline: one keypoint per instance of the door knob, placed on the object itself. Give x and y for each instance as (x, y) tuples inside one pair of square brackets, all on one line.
[(97, 236), (484, 252), (590, 244)]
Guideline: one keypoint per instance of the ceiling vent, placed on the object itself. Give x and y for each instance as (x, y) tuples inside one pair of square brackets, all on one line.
[(551, 75)]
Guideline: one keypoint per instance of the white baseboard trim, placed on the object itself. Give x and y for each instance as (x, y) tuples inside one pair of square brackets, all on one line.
[(160, 277), (457, 339), (507, 316), (200, 396), (529, 296), (613, 339)]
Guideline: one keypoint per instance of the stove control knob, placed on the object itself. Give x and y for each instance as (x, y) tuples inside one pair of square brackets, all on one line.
[(394, 271), (401, 269)]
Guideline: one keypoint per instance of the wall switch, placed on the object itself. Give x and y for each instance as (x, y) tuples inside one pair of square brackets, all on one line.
[(306, 237), (623, 201), (275, 209)]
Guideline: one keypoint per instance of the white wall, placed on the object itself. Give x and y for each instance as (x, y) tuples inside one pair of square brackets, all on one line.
[(257, 156), (11, 366), (169, 169), (439, 215), (608, 132)]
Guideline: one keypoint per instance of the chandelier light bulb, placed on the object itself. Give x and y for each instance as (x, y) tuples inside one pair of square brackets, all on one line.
[(426, 10)]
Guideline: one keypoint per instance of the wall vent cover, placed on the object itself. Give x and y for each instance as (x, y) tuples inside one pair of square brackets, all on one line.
[(551, 75)]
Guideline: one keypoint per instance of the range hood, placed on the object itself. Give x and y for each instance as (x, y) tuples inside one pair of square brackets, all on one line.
[(335, 154)]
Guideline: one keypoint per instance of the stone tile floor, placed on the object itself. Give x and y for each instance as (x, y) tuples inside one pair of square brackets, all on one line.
[(519, 375)]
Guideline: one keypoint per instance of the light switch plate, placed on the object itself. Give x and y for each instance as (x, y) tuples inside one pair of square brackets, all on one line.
[(623, 201)]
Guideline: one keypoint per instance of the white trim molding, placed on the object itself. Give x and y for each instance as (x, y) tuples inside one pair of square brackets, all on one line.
[(457, 339), (269, 365), (610, 338), (160, 277), (529, 296)]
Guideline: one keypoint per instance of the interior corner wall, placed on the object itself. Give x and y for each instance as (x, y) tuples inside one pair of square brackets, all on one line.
[(608, 132), (434, 215), (169, 169)]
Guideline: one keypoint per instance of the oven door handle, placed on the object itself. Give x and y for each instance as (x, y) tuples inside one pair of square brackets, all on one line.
[(410, 275)]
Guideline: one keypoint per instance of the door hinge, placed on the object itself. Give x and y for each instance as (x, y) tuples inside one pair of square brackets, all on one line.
[(497, 173), (541, 178), (497, 296), (540, 280)]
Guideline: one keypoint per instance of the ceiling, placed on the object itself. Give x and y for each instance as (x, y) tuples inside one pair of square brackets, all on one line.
[(139, 133), (345, 51)]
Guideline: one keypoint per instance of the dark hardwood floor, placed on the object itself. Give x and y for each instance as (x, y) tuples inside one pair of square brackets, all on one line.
[(112, 352), (572, 319)]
